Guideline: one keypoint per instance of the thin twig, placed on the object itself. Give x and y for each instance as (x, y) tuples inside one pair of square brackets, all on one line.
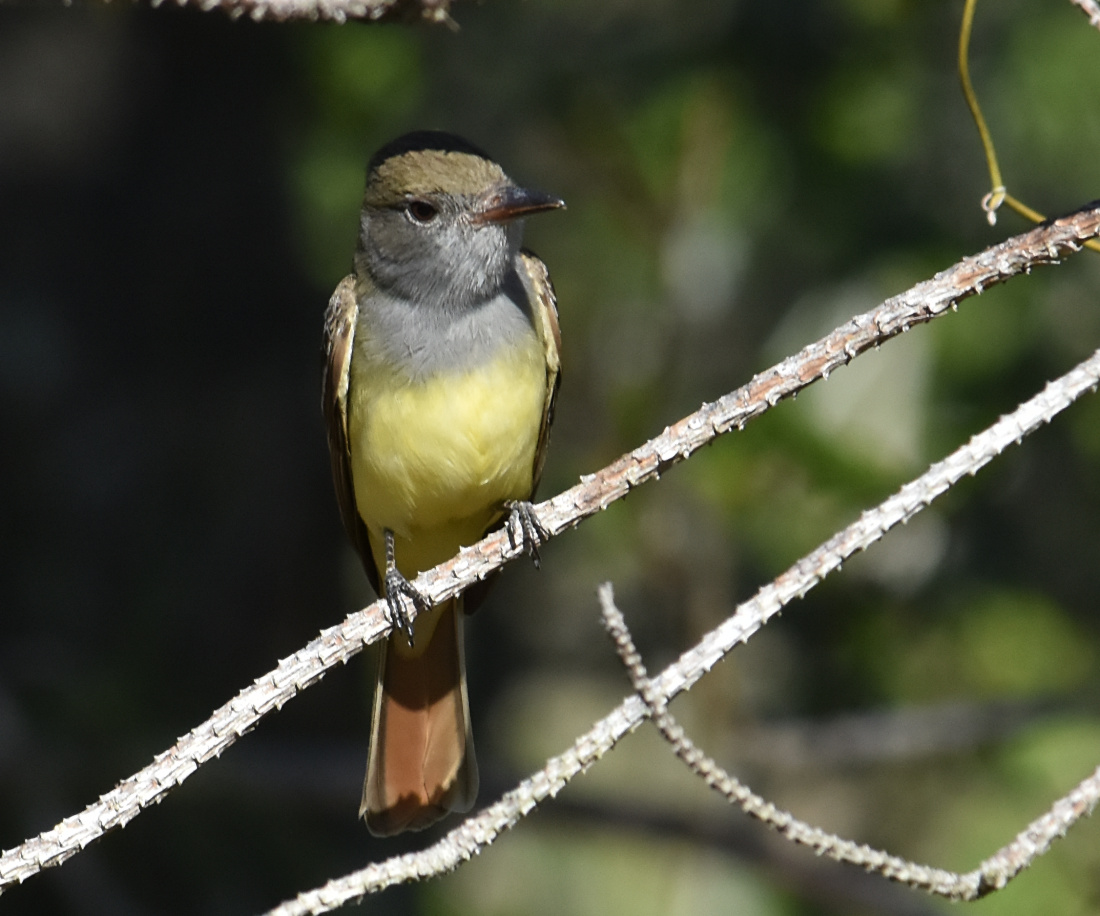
[(478, 832), (993, 874), (925, 301)]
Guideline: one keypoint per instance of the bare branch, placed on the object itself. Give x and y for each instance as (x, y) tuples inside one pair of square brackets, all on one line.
[(477, 832), (334, 10), (993, 874), (1042, 245)]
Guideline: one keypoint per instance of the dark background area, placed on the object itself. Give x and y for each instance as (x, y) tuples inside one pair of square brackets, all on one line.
[(178, 197)]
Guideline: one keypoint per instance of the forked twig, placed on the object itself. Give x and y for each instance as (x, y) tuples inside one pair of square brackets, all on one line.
[(481, 830), (993, 874)]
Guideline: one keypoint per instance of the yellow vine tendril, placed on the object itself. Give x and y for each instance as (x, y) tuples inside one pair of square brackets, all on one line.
[(999, 195)]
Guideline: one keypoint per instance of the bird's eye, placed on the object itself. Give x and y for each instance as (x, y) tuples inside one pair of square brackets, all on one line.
[(420, 211)]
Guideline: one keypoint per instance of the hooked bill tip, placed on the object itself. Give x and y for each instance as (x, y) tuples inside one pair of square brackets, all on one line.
[(509, 202)]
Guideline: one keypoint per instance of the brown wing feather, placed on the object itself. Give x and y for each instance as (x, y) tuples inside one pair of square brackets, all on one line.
[(545, 312), (340, 320)]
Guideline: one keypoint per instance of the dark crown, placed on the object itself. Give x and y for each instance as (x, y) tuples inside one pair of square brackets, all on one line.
[(420, 140)]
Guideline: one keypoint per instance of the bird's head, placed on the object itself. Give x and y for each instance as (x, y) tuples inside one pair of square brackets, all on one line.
[(441, 222)]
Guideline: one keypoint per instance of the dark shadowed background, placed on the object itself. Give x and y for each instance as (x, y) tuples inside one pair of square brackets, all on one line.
[(178, 197)]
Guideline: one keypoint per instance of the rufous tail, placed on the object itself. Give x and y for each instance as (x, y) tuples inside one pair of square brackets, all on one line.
[(421, 762)]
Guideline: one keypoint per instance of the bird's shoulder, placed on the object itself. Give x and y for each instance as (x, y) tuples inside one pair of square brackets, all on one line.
[(544, 306), (340, 317), (340, 322), (544, 313)]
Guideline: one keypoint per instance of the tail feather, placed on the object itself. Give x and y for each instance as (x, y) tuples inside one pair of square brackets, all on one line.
[(421, 762)]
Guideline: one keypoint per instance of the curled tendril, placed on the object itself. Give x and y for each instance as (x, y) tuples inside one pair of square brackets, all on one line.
[(992, 201)]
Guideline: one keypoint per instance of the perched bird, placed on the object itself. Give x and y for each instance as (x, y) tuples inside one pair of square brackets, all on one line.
[(442, 356)]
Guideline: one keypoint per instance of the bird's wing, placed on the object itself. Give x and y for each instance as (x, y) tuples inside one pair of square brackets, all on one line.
[(340, 318), (545, 313)]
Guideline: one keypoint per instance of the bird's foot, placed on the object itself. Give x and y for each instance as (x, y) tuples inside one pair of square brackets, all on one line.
[(398, 588), (525, 530)]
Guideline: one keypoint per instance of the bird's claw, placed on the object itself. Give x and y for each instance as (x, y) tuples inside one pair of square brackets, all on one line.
[(525, 530), (398, 587)]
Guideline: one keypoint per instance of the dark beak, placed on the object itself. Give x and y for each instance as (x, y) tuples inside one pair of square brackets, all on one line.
[(507, 202)]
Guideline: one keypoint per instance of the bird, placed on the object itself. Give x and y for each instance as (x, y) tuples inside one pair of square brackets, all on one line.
[(442, 365)]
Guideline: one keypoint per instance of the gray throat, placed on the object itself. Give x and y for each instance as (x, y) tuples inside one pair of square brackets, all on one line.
[(422, 340)]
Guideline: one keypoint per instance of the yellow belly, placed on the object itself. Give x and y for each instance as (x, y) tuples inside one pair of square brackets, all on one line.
[(435, 462)]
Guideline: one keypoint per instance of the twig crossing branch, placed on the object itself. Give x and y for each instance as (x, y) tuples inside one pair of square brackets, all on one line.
[(478, 832), (993, 874), (1044, 244)]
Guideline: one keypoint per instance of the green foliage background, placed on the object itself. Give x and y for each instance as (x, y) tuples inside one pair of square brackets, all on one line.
[(179, 195)]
